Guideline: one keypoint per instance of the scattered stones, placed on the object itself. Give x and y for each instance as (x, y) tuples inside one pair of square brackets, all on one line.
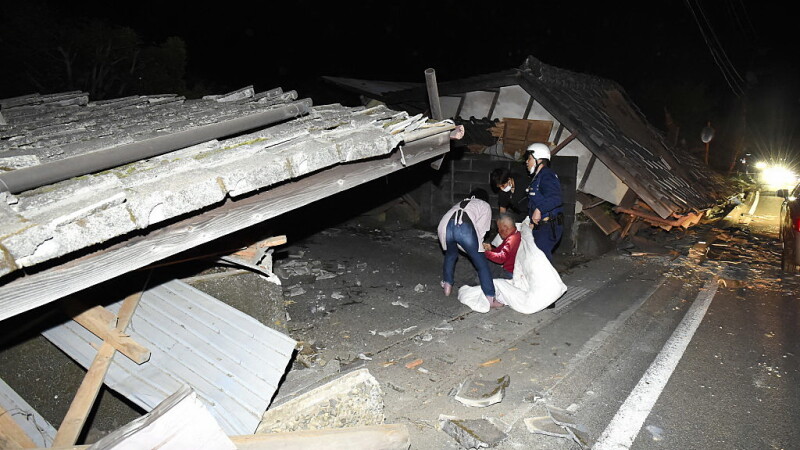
[(471, 434), (295, 291), (419, 288), (395, 387), (446, 358), (390, 333), (399, 303), (559, 423), (481, 393), (545, 425), (337, 295), (444, 326), (656, 432)]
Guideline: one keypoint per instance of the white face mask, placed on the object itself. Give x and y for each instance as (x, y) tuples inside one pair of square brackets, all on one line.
[(507, 188)]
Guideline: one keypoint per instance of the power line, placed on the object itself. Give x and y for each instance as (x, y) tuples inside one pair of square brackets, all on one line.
[(728, 72)]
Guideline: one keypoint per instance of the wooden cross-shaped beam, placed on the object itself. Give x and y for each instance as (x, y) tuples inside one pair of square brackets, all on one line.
[(81, 405)]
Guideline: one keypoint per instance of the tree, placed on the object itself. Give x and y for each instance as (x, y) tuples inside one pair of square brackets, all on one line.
[(47, 50)]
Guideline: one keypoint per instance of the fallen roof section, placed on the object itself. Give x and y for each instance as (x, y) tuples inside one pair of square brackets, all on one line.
[(85, 230), (605, 120), (233, 361)]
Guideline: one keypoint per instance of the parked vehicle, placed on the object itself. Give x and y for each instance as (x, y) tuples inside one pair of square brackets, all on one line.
[(790, 229)]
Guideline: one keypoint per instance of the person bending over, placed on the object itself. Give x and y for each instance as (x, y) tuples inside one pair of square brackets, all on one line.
[(463, 227)]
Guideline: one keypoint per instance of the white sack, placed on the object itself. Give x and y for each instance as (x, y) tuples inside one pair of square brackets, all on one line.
[(535, 285)]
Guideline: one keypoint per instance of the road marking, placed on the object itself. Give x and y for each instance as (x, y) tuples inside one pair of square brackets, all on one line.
[(625, 426), (755, 203)]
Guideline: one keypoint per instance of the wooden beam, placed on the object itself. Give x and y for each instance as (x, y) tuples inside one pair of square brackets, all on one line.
[(57, 281), (84, 399), (528, 107), (563, 144), (594, 211), (558, 133), (256, 250), (102, 323), (385, 437), (11, 434), (494, 103), (587, 172)]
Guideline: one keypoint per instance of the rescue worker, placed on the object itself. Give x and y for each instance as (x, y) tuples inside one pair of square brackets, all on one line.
[(544, 200), (512, 197)]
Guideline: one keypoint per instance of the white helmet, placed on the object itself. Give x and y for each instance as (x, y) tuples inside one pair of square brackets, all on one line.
[(539, 150)]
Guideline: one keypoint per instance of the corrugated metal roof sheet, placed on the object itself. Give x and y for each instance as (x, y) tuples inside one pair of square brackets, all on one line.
[(35, 426), (233, 361)]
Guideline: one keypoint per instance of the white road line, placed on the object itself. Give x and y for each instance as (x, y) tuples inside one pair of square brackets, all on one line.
[(755, 203), (620, 433)]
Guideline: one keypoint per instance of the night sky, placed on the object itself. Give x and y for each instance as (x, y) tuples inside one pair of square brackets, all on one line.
[(653, 49)]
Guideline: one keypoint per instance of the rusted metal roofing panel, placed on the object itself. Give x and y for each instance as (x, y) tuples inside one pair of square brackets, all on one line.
[(233, 361)]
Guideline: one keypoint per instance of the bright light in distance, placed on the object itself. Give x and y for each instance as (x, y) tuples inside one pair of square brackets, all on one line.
[(761, 165), (778, 177)]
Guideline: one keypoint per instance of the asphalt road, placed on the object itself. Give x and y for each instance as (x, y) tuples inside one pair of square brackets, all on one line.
[(733, 382), (646, 350), (650, 352)]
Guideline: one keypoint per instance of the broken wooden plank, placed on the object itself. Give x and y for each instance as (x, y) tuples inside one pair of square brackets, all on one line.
[(598, 214), (102, 323), (384, 437), (251, 252), (179, 422), (84, 399)]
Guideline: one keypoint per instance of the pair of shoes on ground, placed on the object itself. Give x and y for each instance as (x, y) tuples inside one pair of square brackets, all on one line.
[(448, 288)]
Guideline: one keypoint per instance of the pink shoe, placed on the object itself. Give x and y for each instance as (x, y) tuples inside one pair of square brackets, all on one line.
[(448, 288)]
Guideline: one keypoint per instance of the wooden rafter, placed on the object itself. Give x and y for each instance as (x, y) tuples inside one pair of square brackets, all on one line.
[(84, 399)]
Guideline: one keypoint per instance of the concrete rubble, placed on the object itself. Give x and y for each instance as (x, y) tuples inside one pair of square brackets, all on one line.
[(473, 434), (353, 399), (479, 392), (559, 423)]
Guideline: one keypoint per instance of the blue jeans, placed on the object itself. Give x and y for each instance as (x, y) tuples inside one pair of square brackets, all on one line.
[(465, 236)]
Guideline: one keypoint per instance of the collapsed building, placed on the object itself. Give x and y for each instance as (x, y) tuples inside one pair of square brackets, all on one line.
[(93, 190), (615, 168)]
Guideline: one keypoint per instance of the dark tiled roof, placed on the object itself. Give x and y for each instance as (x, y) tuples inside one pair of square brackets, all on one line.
[(610, 125)]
